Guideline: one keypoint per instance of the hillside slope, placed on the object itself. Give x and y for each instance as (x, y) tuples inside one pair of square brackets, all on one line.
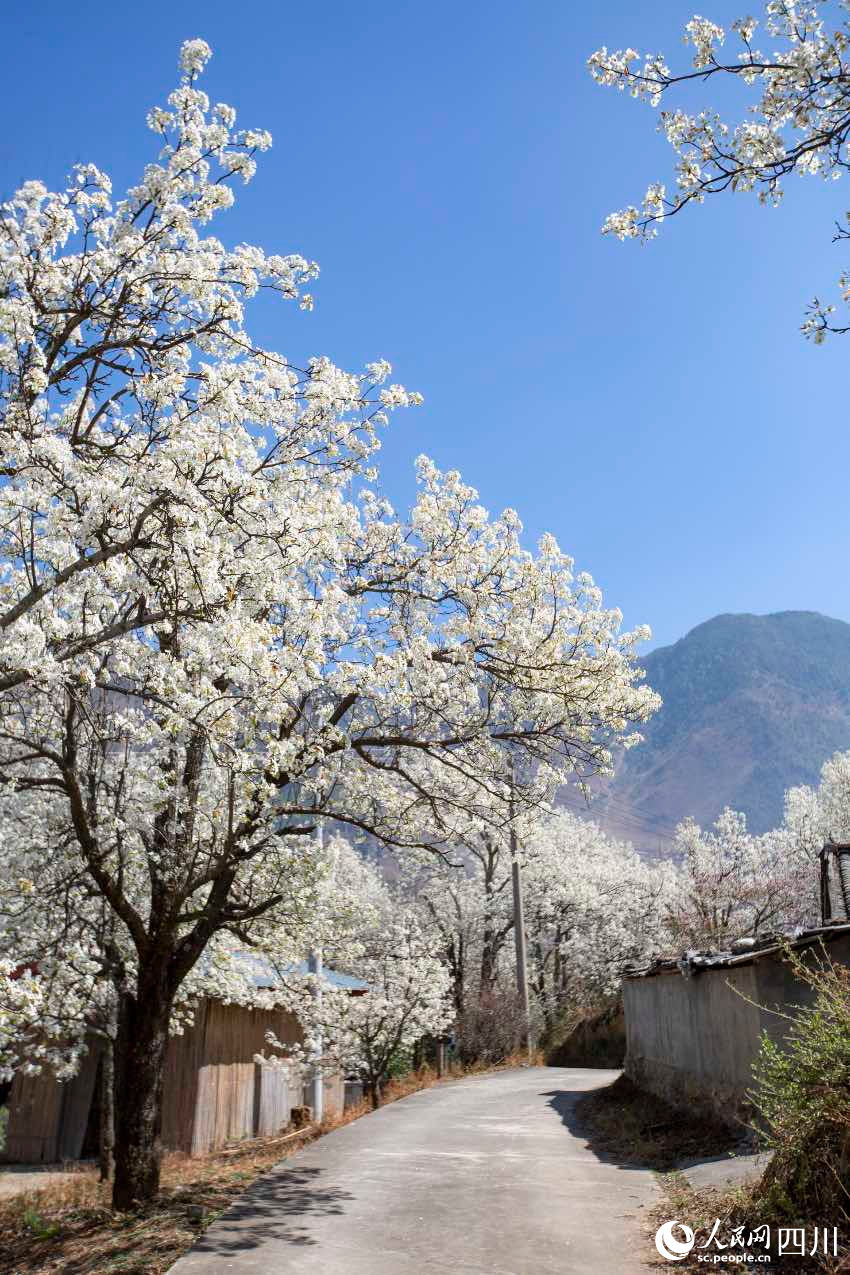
[(752, 705)]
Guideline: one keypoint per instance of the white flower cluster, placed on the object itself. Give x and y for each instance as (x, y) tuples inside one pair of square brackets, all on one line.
[(732, 884), (798, 123), (591, 905), (406, 994), (703, 35)]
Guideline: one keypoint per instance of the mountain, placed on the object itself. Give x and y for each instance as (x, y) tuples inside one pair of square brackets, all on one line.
[(753, 704)]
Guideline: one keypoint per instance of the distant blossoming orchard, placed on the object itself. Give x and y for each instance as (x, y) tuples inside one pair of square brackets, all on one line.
[(799, 121), (591, 905), (217, 631)]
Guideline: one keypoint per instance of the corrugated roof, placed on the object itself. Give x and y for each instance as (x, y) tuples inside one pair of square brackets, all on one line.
[(264, 975), (743, 952)]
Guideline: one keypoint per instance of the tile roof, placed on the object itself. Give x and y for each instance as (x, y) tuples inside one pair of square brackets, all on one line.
[(742, 952)]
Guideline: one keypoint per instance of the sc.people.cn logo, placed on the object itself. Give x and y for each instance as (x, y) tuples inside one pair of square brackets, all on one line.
[(675, 1250)]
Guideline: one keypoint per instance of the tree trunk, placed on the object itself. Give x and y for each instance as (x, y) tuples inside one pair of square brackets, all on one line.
[(107, 1109), (375, 1093), (455, 962), (458, 993), (142, 1045), (489, 950), (488, 961)]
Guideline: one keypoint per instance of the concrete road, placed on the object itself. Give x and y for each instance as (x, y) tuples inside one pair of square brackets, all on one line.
[(484, 1176)]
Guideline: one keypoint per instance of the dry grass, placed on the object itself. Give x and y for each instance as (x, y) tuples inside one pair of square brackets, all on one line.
[(68, 1226), (634, 1127), (742, 1206), (537, 1058), (631, 1126)]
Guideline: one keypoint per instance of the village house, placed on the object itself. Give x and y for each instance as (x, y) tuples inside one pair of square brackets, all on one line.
[(216, 1090)]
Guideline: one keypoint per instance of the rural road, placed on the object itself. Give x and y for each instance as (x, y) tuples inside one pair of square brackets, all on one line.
[(483, 1176)]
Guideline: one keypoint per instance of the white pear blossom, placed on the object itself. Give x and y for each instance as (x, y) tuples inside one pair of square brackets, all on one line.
[(406, 999), (797, 121), (592, 904), (733, 885)]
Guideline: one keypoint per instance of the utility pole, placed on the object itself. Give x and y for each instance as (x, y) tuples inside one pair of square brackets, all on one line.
[(316, 1086), (519, 940)]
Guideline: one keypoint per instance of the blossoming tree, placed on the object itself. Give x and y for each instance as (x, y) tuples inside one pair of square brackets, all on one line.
[(468, 904), (407, 998), (732, 885), (219, 632), (591, 905), (798, 120)]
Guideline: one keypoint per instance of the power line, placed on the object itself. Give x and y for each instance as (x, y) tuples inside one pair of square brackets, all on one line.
[(618, 806), (621, 814), (620, 810)]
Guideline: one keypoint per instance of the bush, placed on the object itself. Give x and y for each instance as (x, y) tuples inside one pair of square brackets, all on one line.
[(802, 1093), (491, 1028), (589, 1038)]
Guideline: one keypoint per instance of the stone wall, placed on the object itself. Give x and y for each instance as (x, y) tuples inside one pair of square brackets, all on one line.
[(693, 1039)]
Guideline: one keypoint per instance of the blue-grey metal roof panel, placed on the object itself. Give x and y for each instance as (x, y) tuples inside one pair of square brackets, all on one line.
[(265, 975)]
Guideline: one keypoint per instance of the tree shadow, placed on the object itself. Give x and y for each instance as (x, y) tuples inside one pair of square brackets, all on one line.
[(632, 1129), (268, 1209), (564, 1102)]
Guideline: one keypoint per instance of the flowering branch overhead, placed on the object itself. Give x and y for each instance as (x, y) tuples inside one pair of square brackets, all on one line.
[(798, 123)]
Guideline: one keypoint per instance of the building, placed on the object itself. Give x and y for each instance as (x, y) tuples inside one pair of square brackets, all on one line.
[(215, 1091)]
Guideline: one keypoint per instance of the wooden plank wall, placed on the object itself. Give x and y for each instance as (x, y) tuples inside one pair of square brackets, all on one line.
[(334, 1092), (272, 1103), (213, 1092), (76, 1106), (180, 1088), (228, 1103), (47, 1119), (35, 1114)]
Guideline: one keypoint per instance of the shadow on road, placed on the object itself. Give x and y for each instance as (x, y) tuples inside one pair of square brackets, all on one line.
[(634, 1129), (564, 1101), (269, 1209)]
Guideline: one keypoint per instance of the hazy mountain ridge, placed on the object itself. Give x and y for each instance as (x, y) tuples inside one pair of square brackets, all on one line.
[(752, 705)]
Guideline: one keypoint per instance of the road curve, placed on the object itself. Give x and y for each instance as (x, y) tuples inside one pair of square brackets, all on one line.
[(483, 1176)]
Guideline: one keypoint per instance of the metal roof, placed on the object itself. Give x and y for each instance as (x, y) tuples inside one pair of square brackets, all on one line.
[(264, 974)]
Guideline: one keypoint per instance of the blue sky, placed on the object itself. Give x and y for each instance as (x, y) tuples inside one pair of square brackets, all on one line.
[(449, 166)]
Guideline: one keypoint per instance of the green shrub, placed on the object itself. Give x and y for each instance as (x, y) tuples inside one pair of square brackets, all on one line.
[(39, 1228), (802, 1093)]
